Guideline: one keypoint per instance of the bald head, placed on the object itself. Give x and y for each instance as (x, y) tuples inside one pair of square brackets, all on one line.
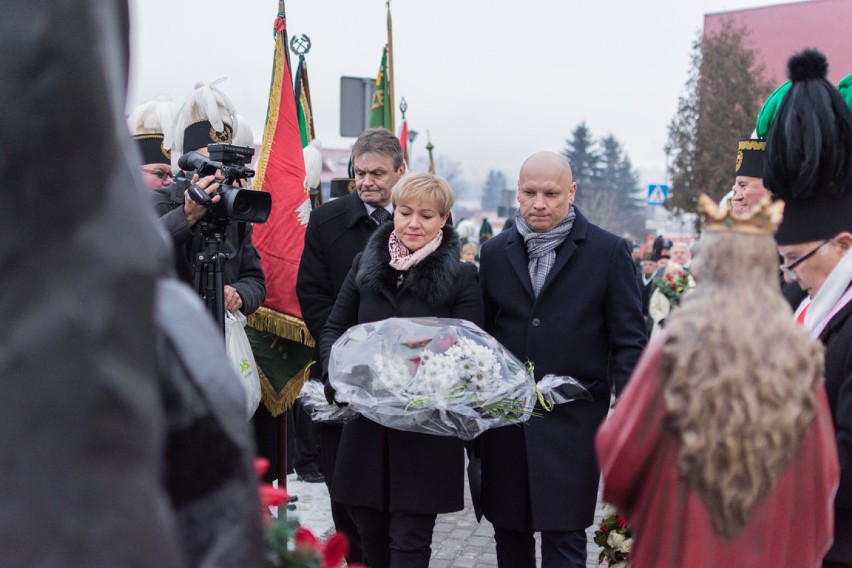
[(551, 163), (545, 190)]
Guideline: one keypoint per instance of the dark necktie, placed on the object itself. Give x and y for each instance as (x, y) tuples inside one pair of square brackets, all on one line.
[(380, 215)]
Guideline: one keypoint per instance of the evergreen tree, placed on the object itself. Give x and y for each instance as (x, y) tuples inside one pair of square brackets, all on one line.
[(607, 185), (492, 191), (724, 91), (620, 179), (584, 159)]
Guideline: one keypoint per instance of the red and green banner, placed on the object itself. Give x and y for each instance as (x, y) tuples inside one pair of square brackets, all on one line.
[(403, 140), (380, 110), (278, 326), (303, 103)]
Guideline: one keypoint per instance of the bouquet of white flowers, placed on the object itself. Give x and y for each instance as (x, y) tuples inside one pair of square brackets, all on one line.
[(435, 376)]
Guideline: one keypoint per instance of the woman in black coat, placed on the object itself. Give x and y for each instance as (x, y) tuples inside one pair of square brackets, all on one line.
[(394, 482)]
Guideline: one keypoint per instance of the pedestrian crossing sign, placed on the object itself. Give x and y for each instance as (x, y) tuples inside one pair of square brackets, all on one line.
[(657, 194)]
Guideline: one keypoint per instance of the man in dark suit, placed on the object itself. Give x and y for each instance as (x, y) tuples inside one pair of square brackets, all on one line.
[(336, 232), (561, 294)]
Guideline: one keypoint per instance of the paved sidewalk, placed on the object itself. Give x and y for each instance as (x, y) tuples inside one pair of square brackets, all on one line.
[(459, 541)]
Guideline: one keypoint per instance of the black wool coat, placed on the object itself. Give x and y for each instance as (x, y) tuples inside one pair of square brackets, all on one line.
[(337, 231), (242, 270), (586, 322), (379, 467), (837, 337)]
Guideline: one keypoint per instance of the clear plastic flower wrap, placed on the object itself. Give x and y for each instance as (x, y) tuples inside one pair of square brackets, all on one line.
[(434, 376), (313, 400)]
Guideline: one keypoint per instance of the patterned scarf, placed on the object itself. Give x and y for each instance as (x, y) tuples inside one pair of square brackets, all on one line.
[(541, 247), (402, 259)]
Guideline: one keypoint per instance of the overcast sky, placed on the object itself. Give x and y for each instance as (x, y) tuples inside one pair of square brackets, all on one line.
[(493, 81)]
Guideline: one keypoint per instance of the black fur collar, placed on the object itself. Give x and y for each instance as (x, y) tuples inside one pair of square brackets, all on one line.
[(431, 279)]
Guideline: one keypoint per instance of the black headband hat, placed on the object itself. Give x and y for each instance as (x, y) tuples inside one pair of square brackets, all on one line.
[(152, 127), (809, 154), (206, 117), (153, 149), (341, 187), (751, 154)]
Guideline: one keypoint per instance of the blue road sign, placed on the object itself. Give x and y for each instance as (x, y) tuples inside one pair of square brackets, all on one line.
[(657, 194)]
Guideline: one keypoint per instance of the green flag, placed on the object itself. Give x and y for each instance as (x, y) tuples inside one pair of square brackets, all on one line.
[(304, 112), (380, 110)]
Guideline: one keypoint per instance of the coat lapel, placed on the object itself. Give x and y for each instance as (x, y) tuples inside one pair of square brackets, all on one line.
[(516, 250)]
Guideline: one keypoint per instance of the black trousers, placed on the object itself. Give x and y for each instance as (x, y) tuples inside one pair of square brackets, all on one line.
[(266, 439), (559, 549), (395, 540), (302, 441), (329, 436)]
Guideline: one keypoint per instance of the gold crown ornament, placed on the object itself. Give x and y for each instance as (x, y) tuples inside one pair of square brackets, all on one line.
[(763, 219)]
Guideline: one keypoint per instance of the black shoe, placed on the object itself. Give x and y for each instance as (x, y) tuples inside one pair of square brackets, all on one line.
[(311, 477)]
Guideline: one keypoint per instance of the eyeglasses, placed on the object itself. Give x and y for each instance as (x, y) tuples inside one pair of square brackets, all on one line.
[(787, 270), (161, 175)]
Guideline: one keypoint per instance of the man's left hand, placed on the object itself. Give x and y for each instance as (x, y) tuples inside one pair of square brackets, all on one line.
[(233, 302)]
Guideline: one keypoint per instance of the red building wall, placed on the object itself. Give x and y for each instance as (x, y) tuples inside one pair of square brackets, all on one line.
[(779, 31)]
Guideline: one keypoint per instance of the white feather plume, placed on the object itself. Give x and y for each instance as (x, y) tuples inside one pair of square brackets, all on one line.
[(313, 164), (154, 117), (206, 102)]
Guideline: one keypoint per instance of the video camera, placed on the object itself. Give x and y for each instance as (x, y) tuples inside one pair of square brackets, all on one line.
[(236, 203)]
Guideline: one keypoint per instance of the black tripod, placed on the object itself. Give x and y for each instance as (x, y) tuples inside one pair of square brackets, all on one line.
[(208, 267)]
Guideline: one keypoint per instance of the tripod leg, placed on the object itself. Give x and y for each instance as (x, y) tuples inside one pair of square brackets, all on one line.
[(219, 305)]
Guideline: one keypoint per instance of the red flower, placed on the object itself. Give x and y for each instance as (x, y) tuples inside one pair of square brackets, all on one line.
[(269, 496), (335, 550), (306, 539), (272, 496), (622, 523)]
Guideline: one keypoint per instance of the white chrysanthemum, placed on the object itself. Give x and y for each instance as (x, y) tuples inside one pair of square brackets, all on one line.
[(392, 373), (432, 378)]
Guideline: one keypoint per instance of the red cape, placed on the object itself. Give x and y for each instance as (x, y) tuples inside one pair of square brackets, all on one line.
[(638, 456)]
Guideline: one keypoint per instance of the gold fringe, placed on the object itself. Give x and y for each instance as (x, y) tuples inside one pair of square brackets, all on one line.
[(281, 325), (272, 110), (278, 402)]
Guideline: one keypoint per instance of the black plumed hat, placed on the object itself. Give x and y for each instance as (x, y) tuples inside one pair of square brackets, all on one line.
[(750, 157), (809, 154)]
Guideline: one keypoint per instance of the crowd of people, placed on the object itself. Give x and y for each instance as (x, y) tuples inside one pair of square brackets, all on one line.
[(724, 440)]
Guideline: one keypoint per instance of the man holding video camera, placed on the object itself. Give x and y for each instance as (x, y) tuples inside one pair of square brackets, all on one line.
[(208, 117)]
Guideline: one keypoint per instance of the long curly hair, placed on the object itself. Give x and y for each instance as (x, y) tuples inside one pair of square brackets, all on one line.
[(740, 377)]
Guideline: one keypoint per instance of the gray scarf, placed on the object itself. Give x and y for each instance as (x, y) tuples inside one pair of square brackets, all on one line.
[(541, 247)]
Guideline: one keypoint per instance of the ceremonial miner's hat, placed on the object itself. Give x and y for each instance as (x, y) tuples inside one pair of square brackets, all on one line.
[(769, 110), (750, 157), (341, 187), (206, 117), (152, 127), (809, 154)]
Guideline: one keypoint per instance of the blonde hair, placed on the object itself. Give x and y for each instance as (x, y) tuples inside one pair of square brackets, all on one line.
[(469, 247), (423, 185), (739, 377)]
